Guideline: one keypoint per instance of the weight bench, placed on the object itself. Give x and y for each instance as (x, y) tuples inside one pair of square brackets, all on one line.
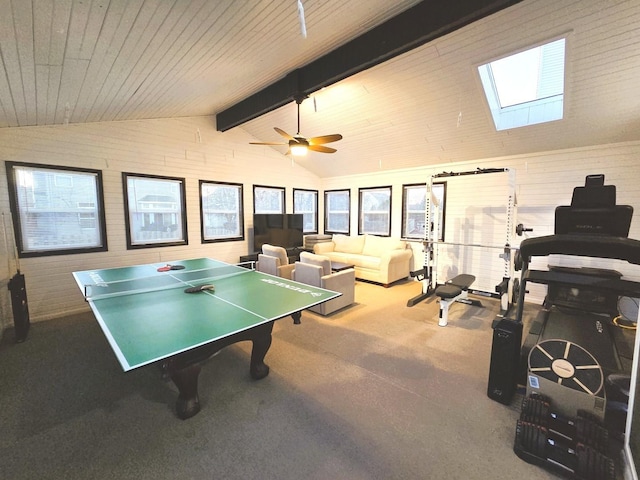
[(454, 290)]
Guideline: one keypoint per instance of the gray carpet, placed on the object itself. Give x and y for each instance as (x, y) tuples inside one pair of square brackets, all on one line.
[(376, 391)]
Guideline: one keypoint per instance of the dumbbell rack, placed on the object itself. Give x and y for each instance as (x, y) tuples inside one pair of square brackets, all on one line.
[(577, 448)]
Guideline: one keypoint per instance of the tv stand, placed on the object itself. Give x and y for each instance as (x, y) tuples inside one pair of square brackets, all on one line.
[(252, 257)]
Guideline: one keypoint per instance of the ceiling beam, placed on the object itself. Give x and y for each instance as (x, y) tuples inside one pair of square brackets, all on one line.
[(412, 28)]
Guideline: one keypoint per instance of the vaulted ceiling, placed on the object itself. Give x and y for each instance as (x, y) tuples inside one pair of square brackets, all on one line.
[(397, 79)]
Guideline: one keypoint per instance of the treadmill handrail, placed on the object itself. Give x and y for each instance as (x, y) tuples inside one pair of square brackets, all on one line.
[(622, 287), (598, 246)]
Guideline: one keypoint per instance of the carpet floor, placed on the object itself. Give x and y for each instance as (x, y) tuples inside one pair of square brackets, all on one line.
[(375, 391)]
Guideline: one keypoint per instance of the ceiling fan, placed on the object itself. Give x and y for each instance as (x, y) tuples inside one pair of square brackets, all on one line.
[(299, 145)]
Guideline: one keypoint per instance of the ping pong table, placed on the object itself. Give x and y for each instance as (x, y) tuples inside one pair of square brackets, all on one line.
[(148, 317)]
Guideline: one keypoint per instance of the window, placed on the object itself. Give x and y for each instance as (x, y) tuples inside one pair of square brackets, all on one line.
[(413, 209), (337, 211), (306, 203), (268, 199), (155, 212), (221, 213), (375, 211), (56, 210), (526, 88)]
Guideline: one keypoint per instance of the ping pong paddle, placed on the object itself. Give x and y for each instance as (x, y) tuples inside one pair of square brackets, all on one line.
[(200, 288), (168, 267)]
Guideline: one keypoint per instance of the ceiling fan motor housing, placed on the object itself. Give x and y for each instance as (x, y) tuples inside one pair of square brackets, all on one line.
[(298, 145)]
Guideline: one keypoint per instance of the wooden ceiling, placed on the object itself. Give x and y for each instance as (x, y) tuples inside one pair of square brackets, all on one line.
[(74, 61)]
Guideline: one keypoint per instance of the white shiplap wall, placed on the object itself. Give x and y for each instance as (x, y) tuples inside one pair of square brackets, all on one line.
[(189, 148)]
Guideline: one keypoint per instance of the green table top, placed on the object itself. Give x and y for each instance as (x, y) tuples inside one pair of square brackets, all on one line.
[(147, 316)]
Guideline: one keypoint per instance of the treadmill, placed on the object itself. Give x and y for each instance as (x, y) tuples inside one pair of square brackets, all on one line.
[(570, 351), (569, 361)]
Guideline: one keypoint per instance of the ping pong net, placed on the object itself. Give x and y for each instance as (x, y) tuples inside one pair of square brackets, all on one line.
[(162, 281)]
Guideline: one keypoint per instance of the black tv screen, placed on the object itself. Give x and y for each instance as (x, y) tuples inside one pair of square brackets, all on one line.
[(282, 230)]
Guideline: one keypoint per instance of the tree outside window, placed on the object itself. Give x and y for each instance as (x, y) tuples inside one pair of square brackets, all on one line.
[(268, 199), (306, 203), (337, 206)]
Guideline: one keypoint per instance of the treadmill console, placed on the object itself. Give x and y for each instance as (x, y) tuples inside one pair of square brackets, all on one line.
[(583, 297), (593, 211)]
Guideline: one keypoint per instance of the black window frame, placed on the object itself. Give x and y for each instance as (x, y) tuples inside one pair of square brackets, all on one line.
[(20, 250), (283, 198), (240, 213), (326, 211), (182, 225), (315, 212), (361, 192), (443, 207)]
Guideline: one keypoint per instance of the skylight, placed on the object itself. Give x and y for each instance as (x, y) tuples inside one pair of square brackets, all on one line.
[(526, 88)]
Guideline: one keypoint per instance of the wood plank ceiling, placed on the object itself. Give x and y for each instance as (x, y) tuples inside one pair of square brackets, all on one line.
[(75, 61)]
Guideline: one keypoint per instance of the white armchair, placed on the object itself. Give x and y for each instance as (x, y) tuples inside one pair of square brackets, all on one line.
[(316, 270), (274, 260)]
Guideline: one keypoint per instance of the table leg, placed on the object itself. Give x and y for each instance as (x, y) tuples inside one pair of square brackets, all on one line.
[(258, 368), (184, 369), (186, 379), (296, 317)]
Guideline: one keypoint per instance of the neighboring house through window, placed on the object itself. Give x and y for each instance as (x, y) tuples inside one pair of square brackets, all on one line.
[(56, 210), (155, 210)]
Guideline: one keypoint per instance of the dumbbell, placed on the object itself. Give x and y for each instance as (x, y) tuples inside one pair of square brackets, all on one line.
[(585, 428), (583, 461)]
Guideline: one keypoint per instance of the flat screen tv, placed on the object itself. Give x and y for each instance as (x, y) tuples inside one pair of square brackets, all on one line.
[(282, 230)]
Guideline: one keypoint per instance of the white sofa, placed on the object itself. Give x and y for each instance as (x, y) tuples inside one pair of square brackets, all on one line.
[(378, 259)]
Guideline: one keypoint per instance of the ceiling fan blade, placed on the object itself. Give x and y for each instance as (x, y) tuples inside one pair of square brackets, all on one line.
[(283, 133), (267, 143), (325, 139), (321, 149)]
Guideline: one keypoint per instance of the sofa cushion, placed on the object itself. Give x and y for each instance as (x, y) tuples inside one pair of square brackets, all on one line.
[(365, 261), (318, 260), (339, 256), (376, 246), (347, 244)]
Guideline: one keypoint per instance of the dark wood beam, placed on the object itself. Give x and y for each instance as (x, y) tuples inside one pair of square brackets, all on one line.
[(422, 23)]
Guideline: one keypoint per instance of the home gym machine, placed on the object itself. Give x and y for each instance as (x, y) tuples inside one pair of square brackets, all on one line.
[(457, 288), (569, 360)]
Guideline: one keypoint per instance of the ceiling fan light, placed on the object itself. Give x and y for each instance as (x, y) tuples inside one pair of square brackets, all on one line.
[(298, 150)]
